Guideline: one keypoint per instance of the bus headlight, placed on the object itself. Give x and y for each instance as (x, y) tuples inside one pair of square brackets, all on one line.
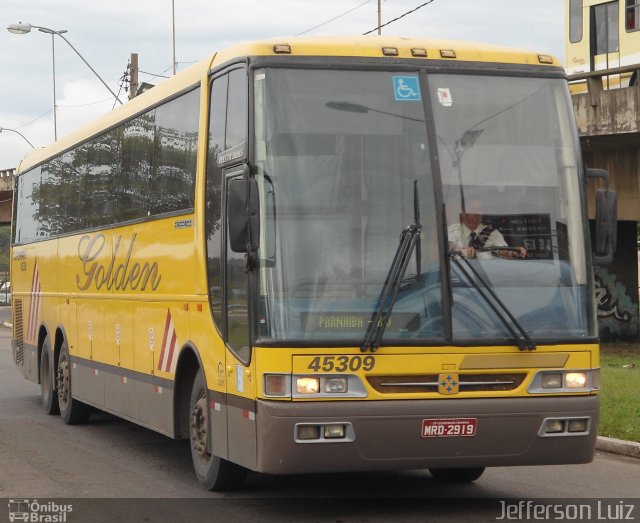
[(552, 381), (576, 380), (304, 386), (336, 385), (307, 385)]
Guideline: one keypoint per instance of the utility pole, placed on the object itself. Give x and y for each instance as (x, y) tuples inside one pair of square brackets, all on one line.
[(133, 84), (379, 17), (173, 22)]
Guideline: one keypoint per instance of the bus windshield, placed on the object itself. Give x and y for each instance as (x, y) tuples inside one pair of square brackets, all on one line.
[(509, 164), (344, 166)]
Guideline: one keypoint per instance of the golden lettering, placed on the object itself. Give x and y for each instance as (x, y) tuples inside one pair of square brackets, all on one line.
[(113, 276)]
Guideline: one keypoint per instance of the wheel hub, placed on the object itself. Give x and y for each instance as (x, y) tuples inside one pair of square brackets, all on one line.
[(200, 427), (62, 380)]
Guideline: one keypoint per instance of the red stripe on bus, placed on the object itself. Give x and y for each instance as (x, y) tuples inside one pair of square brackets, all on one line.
[(174, 342), (35, 303), (164, 339)]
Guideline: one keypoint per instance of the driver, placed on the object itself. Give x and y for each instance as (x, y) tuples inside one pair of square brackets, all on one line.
[(471, 237)]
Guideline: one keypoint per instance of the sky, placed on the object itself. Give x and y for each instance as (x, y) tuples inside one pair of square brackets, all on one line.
[(106, 33)]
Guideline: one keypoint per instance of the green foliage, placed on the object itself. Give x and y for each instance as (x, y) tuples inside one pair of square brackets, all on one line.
[(619, 407), (5, 244)]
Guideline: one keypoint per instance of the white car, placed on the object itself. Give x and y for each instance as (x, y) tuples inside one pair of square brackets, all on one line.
[(5, 292)]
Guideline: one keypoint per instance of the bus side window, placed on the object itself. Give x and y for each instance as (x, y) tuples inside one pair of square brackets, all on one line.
[(575, 21), (632, 15), (217, 119), (175, 144), (604, 25), (237, 281)]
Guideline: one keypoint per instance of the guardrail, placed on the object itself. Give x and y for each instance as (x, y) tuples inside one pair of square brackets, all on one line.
[(594, 82)]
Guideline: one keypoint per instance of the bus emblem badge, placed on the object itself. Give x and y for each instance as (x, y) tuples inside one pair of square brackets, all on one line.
[(448, 383)]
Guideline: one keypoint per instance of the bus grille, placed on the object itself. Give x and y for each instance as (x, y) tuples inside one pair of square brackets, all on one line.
[(17, 331), (416, 384)]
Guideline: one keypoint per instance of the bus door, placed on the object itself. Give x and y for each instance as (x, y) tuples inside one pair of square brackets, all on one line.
[(605, 40), (241, 386), (228, 277)]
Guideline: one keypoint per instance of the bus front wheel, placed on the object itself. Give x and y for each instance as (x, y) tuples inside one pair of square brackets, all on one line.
[(213, 472), (462, 475), (48, 396), (72, 411)]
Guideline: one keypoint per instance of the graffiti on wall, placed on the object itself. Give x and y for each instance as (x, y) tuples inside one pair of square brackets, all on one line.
[(617, 312)]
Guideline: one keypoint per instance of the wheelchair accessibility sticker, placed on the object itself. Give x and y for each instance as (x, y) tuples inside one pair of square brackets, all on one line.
[(406, 88)]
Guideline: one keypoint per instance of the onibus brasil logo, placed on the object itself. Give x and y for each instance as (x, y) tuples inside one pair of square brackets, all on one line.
[(38, 512)]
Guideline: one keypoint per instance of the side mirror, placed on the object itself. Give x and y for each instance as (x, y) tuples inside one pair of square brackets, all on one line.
[(606, 226), (242, 214)]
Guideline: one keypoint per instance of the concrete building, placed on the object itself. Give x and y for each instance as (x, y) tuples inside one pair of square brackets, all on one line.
[(609, 128), (7, 183)]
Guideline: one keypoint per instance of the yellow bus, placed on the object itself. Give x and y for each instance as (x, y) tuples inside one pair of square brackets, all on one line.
[(257, 255), (602, 34)]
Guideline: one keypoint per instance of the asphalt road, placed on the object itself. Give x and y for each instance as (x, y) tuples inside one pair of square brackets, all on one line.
[(144, 476)]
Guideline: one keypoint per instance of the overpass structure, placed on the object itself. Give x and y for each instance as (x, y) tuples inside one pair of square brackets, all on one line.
[(7, 181), (608, 123)]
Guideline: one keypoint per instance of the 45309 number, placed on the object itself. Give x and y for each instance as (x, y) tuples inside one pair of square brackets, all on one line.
[(342, 363)]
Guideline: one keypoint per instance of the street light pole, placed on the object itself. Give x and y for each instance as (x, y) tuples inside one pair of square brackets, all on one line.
[(21, 28), (55, 105), (18, 133), (59, 33), (25, 28)]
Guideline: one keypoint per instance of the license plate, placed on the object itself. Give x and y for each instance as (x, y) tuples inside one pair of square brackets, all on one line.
[(449, 428)]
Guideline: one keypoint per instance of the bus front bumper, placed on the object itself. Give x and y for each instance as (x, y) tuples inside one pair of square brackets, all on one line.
[(389, 435)]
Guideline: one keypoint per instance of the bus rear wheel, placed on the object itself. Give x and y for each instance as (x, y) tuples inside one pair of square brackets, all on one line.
[(72, 411), (463, 475), (213, 472), (48, 396)]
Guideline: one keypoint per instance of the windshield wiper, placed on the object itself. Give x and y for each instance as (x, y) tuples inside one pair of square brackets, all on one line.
[(514, 327), (409, 240)]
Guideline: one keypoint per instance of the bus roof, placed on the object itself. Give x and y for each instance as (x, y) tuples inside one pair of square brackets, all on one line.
[(335, 46), (372, 47)]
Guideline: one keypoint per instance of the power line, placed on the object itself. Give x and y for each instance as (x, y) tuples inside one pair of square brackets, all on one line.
[(124, 79), (165, 70), (156, 75), (36, 119), (84, 105), (399, 17), (335, 18)]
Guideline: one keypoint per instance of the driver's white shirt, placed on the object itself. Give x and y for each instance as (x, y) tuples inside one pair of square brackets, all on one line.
[(460, 234)]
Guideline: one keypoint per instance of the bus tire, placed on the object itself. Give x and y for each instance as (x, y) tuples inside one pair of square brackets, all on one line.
[(72, 411), (463, 475), (213, 472), (48, 395)]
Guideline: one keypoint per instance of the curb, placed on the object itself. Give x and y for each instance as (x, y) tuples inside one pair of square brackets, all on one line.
[(618, 446)]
